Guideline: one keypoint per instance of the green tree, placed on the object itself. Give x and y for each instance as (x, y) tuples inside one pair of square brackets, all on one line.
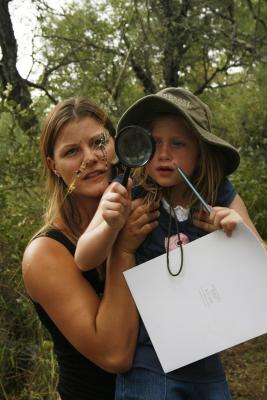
[(154, 44), (116, 51)]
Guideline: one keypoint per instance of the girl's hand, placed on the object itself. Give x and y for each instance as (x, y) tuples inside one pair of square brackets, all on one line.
[(219, 218), (116, 204), (141, 221)]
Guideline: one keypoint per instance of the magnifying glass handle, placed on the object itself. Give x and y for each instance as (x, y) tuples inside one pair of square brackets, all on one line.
[(126, 176)]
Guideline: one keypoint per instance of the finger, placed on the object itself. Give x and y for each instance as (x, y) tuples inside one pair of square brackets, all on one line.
[(152, 206), (144, 218), (205, 226), (201, 217), (114, 198), (146, 209), (138, 212), (137, 203), (129, 187), (113, 218), (115, 202), (113, 214), (215, 211), (229, 228), (203, 214), (150, 216), (147, 228), (219, 216), (229, 224), (119, 208), (116, 187)]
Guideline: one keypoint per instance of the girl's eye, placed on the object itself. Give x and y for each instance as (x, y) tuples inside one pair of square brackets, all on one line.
[(157, 141), (175, 143), (178, 144), (71, 151)]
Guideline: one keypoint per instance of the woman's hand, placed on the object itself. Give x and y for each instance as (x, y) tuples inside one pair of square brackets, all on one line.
[(116, 204), (141, 221), (219, 218)]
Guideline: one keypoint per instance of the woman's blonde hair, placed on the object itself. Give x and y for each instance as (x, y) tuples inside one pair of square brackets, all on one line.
[(206, 178), (58, 203)]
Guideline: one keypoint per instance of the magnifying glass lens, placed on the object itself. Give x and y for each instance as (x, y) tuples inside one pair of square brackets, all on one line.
[(134, 146)]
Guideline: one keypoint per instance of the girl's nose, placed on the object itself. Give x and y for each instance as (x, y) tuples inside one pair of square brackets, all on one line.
[(163, 151)]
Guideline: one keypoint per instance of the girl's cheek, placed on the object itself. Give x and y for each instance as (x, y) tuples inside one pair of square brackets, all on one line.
[(150, 168)]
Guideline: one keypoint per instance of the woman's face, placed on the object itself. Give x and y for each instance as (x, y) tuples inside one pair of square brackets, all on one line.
[(82, 157), (176, 147)]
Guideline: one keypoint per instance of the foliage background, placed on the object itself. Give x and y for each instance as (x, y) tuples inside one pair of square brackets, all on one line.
[(115, 52)]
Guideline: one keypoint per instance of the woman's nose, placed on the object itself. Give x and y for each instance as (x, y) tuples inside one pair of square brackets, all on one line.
[(90, 156)]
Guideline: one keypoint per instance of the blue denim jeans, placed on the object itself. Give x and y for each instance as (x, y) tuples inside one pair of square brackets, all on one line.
[(142, 384)]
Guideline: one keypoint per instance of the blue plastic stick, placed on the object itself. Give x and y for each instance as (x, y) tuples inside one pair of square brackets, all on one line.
[(194, 190)]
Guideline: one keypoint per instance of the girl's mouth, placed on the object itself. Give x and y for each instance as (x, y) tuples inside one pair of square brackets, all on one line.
[(165, 171)]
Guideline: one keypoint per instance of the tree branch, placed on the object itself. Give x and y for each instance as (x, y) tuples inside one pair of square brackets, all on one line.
[(41, 87)]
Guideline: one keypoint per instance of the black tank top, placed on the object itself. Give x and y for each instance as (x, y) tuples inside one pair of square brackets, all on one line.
[(79, 378)]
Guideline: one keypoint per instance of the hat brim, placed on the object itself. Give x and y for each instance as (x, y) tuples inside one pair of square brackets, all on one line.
[(145, 109)]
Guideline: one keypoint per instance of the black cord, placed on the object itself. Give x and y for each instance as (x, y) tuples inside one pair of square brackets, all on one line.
[(179, 243)]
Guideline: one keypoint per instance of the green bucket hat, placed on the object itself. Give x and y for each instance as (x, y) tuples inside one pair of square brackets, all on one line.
[(182, 102)]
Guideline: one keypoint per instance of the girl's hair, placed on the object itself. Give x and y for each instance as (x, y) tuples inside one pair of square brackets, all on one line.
[(206, 178), (58, 203)]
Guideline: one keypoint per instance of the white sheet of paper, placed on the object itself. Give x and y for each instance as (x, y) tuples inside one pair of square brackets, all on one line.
[(218, 301)]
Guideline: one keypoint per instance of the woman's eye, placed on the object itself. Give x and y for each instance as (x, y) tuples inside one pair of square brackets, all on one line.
[(101, 141), (98, 143), (71, 151)]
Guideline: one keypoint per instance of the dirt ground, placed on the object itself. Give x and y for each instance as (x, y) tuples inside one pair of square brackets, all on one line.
[(246, 369)]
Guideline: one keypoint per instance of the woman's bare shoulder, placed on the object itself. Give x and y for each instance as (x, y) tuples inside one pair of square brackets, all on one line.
[(41, 250), (44, 261)]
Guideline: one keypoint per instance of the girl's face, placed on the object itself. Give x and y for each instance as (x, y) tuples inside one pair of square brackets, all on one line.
[(78, 151), (176, 147)]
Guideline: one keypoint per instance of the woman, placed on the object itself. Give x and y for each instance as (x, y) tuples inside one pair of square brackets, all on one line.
[(93, 324)]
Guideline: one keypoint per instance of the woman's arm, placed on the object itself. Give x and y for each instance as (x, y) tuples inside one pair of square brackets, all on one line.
[(103, 330), (95, 243)]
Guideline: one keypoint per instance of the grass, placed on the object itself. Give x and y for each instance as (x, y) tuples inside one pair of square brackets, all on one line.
[(245, 365), (246, 369)]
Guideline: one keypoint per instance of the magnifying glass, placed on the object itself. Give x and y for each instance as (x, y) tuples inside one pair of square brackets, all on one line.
[(134, 147)]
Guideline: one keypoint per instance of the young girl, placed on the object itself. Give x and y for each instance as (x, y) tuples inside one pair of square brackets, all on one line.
[(181, 127), (180, 124)]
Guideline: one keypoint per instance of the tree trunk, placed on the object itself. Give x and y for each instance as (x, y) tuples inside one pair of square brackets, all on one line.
[(19, 91), (176, 39)]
